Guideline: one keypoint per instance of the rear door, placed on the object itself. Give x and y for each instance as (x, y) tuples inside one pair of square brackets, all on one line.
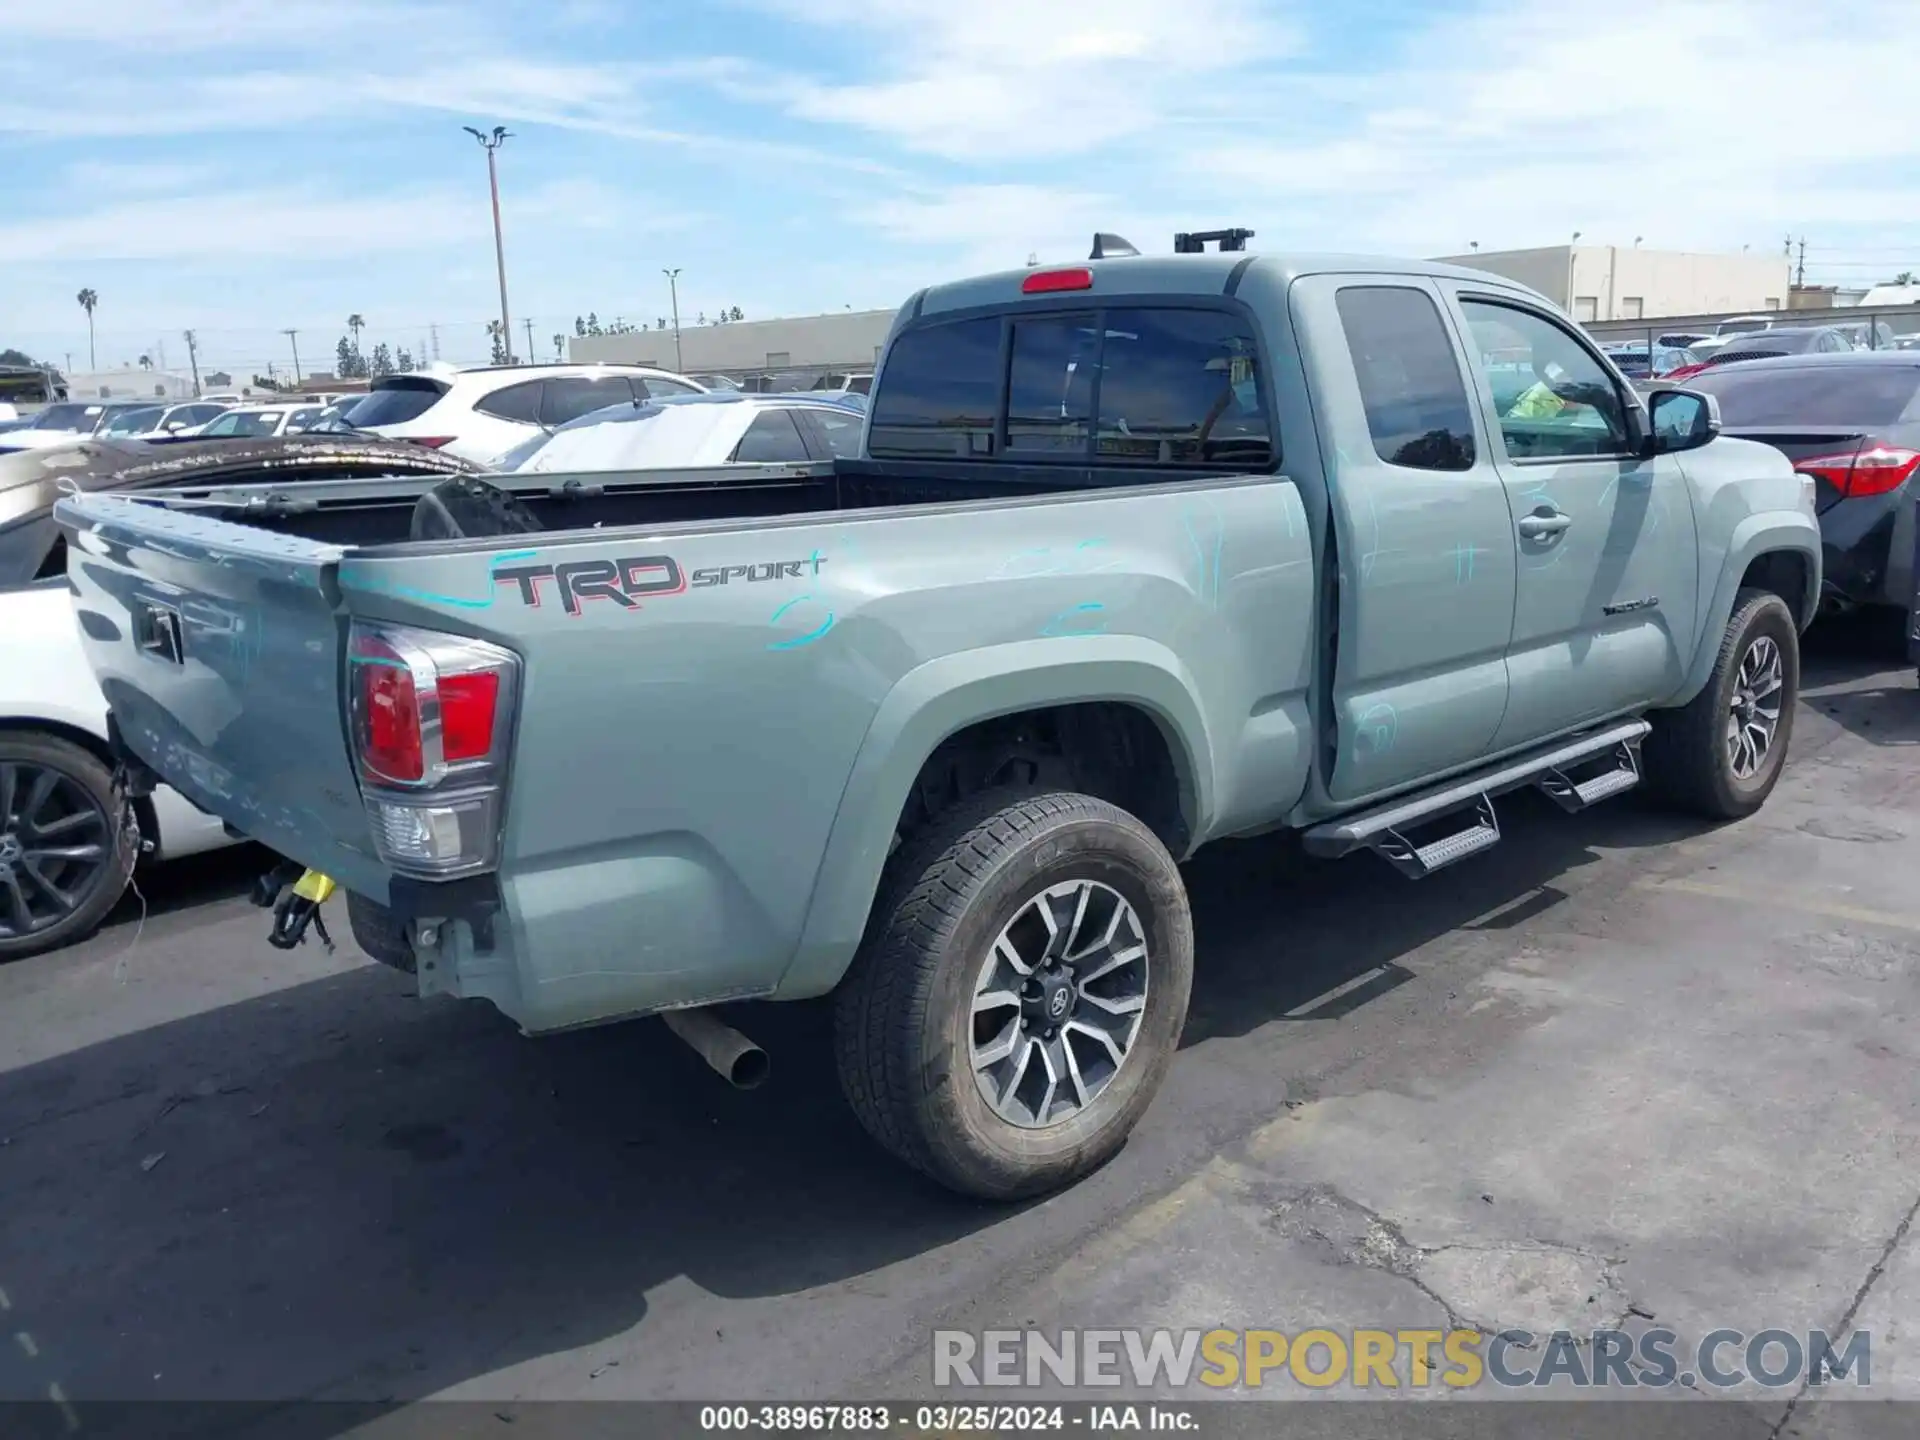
[(1603, 541), (1426, 559), (220, 651)]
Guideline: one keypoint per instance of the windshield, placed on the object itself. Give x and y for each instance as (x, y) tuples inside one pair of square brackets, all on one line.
[(1853, 396), (245, 422), (635, 437), (132, 422), (68, 419)]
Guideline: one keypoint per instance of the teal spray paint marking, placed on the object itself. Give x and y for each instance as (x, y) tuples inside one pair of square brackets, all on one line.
[(794, 642), (1089, 617)]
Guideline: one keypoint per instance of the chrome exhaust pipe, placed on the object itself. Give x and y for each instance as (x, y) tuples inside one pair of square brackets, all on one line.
[(737, 1059)]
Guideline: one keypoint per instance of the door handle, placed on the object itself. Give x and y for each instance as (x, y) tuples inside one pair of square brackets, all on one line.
[(1542, 524)]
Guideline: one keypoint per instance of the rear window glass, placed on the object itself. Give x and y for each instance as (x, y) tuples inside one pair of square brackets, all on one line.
[(1809, 394), (1410, 381), (1050, 384), (941, 391), (395, 405), (1149, 386)]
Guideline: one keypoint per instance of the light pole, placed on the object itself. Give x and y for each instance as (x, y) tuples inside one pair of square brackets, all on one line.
[(673, 289), (1570, 249), (490, 143), (291, 340)]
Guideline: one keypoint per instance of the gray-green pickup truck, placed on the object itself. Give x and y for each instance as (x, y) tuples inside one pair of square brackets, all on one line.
[(1137, 554)]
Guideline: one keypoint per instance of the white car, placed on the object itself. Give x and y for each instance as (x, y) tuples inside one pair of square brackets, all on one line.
[(681, 432), (68, 421), (257, 420), (59, 852), (479, 414), (158, 422)]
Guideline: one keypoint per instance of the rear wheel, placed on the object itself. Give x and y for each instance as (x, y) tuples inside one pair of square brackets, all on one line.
[(66, 848), (1721, 754), (1019, 994)]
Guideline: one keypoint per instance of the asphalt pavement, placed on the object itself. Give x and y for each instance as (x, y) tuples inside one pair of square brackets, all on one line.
[(1625, 1069)]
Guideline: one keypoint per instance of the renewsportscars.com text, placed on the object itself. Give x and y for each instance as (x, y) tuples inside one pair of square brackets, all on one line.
[(1397, 1359)]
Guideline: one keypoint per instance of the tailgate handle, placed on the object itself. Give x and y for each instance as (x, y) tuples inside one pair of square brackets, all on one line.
[(156, 630)]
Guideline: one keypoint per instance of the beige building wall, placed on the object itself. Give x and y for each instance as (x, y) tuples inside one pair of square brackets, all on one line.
[(849, 340), (1613, 282)]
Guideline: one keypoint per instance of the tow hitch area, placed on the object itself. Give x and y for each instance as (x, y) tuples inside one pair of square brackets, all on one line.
[(295, 895)]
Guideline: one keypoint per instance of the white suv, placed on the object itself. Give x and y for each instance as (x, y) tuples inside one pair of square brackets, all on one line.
[(483, 413)]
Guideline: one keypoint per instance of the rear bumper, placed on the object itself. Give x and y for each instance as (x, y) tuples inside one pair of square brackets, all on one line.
[(1867, 550)]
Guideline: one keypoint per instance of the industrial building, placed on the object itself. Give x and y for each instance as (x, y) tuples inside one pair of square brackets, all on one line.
[(848, 340), (1621, 282)]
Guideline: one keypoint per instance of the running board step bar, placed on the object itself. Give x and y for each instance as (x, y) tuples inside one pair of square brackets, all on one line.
[(1384, 828)]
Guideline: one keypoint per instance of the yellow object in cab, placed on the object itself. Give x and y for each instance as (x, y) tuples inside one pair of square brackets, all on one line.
[(315, 887)]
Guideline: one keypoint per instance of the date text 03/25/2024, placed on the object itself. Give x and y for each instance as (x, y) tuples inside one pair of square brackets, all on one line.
[(947, 1419)]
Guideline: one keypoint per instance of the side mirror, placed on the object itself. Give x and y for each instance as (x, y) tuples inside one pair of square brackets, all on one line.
[(1679, 420)]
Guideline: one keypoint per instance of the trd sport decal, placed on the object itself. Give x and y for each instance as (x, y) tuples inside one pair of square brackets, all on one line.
[(629, 579)]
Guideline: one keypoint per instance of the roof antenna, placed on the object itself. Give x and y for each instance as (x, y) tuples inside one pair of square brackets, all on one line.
[(1106, 246)]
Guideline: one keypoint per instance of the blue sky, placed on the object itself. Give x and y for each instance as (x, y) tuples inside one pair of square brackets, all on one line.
[(242, 168)]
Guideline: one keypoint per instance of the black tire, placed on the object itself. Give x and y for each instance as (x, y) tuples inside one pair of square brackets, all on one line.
[(903, 1016), (377, 931), (94, 889), (1689, 762)]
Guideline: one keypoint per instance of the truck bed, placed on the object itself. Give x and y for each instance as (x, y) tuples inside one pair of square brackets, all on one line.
[(365, 513)]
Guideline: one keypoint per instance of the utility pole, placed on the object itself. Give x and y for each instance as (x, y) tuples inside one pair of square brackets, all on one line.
[(530, 350), (673, 289), (434, 331), (490, 143), (1800, 273), (193, 359), (292, 339)]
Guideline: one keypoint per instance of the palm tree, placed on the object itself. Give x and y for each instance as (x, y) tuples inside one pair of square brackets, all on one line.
[(1905, 277), (88, 299), (146, 362), (356, 323)]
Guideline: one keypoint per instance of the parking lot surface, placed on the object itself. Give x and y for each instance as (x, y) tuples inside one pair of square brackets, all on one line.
[(1625, 1069)]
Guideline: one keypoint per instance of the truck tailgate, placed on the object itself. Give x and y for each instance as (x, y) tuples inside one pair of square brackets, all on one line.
[(221, 653)]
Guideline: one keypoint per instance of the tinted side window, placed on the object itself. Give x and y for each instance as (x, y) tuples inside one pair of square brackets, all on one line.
[(1410, 382), (516, 402), (1182, 387), (1554, 399), (939, 393), (841, 432), (772, 439), (570, 397), (1050, 384), (652, 385)]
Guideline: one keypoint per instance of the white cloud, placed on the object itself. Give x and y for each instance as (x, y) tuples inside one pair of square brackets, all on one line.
[(296, 225), (1008, 79)]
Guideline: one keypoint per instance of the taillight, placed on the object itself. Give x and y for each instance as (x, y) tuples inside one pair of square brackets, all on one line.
[(1873, 469), (429, 716), (432, 442)]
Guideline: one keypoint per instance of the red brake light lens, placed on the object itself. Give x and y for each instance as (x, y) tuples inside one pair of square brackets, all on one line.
[(1049, 282), (467, 707), (1874, 469), (390, 744), (432, 442)]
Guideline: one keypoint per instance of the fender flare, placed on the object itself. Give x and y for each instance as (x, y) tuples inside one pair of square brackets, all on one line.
[(1757, 535), (944, 696)]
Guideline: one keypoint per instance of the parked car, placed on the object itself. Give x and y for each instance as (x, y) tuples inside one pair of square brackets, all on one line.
[(1632, 361), (478, 414), (1777, 340), (66, 422), (1851, 423), (259, 421), (685, 431), (858, 382), (715, 382), (158, 422), (1138, 554), (64, 855)]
